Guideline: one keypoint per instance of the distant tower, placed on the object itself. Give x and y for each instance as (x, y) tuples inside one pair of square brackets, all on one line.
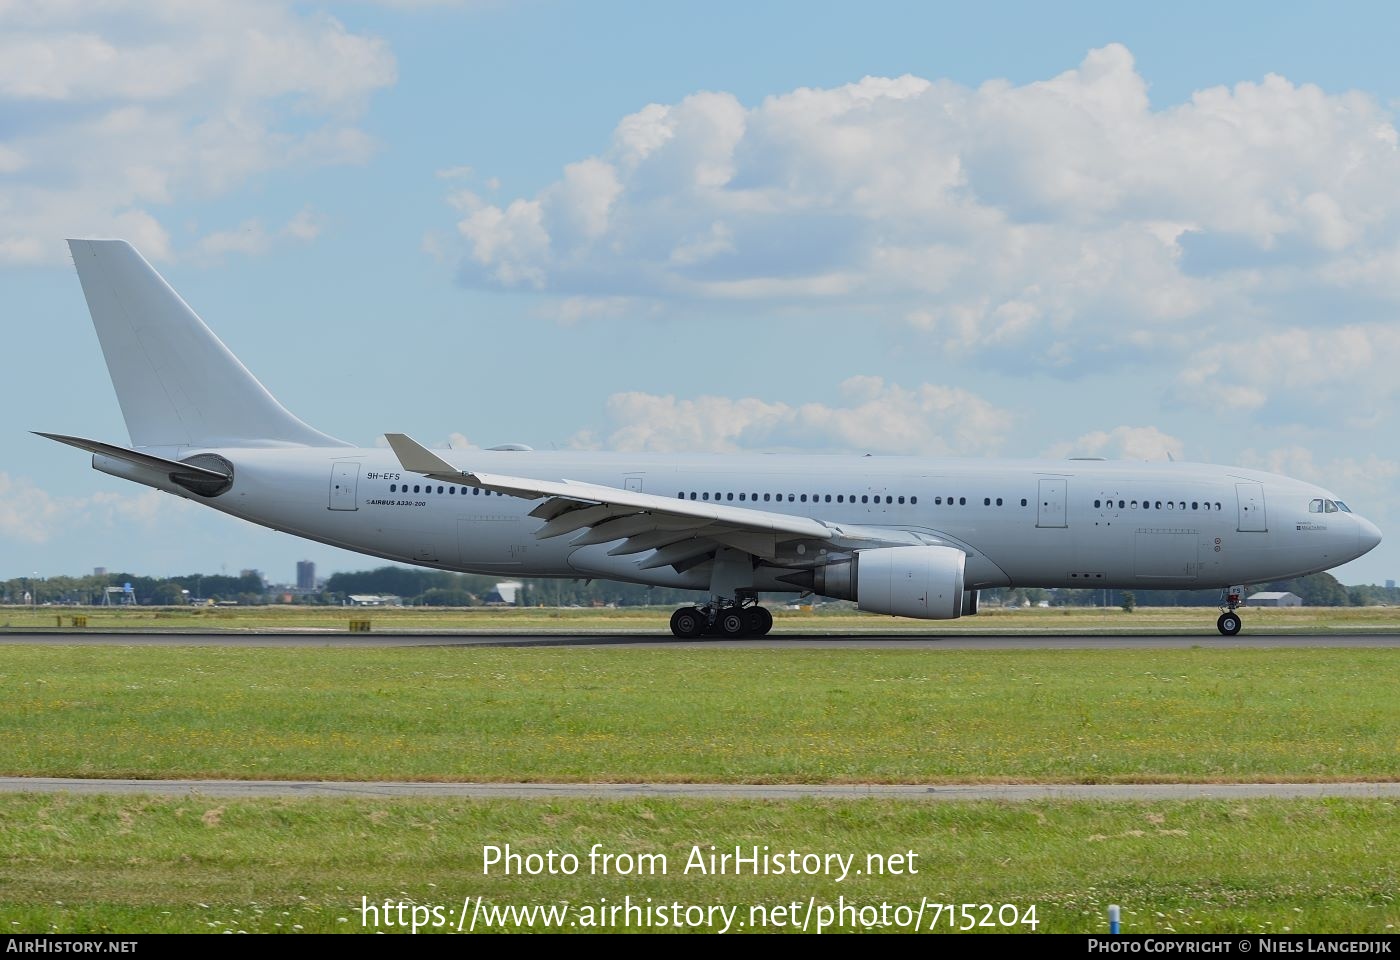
[(102, 572), (306, 575)]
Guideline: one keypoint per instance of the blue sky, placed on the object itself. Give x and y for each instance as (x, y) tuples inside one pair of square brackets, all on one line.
[(994, 229)]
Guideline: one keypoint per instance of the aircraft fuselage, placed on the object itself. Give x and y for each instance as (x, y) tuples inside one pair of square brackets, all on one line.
[(1063, 523)]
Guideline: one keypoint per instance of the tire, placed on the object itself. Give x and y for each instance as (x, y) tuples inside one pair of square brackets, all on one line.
[(733, 624), (1229, 624), (687, 623), (760, 621)]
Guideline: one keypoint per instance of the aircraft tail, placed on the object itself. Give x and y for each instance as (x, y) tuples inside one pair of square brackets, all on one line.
[(178, 385)]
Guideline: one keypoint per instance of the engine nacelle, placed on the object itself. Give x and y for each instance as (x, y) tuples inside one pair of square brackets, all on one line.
[(921, 582)]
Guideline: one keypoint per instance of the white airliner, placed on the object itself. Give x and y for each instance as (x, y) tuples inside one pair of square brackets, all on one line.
[(911, 537)]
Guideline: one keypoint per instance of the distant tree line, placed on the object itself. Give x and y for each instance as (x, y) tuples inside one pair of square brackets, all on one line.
[(440, 588), (1317, 590), (158, 591)]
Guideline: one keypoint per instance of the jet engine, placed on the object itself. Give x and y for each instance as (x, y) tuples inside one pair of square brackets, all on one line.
[(922, 582)]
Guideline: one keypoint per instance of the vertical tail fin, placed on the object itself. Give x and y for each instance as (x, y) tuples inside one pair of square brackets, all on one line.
[(178, 385)]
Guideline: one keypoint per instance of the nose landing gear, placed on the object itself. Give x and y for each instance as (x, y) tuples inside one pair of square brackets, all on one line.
[(1230, 599)]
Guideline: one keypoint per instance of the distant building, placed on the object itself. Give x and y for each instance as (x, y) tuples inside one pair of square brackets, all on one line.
[(1390, 584), (374, 600), (102, 572), (306, 576), (1272, 598), (506, 593)]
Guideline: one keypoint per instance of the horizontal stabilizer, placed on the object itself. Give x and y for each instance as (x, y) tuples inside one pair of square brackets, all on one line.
[(135, 456)]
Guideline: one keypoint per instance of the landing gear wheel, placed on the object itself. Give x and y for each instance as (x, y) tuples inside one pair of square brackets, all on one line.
[(758, 621), (688, 623), (1229, 624), (732, 624)]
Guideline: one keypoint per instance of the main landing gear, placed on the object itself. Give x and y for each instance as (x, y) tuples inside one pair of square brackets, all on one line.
[(1229, 623), (733, 621)]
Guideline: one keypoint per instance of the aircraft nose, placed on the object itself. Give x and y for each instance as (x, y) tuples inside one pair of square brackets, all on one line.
[(1368, 535)]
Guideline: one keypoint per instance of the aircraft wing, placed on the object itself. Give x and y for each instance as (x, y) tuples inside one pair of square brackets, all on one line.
[(679, 531)]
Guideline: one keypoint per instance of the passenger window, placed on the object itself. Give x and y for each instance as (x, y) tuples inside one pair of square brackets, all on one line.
[(1134, 504), (828, 498), (765, 497), (741, 496), (729, 496), (1195, 505), (840, 498), (1096, 504), (986, 501), (1023, 501), (692, 494), (706, 495), (791, 498), (913, 500), (415, 488), (1158, 504), (393, 488), (938, 501), (865, 498), (1121, 504), (962, 501), (901, 499), (998, 501), (1170, 505), (439, 489)]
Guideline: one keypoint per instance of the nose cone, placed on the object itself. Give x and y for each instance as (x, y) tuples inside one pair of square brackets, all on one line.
[(1368, 535)]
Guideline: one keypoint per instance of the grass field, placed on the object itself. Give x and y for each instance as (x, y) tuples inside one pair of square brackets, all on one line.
[(763, 715), (124, 863), (141, 864), (1177, 620)]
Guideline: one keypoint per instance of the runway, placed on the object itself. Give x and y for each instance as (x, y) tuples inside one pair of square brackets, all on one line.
[(918, 641), (1011, 793)]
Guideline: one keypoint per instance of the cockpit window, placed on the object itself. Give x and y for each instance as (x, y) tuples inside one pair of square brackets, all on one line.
[(1329, 506), (1315, 506), (1343, 507)]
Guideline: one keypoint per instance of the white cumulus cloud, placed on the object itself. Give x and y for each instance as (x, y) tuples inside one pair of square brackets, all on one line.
[(1064, 225), (867, 415), (1122, 443), (124, 108)]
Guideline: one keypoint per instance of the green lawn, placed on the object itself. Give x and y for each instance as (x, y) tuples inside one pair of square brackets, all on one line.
[(124, 864), (615, 714), (824, 620)]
